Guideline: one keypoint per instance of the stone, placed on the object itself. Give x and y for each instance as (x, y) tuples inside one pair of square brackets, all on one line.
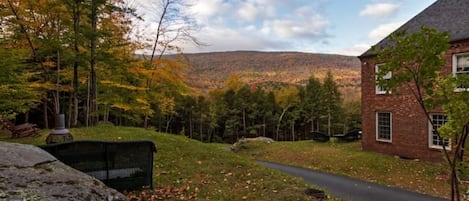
[(29, 173), (237, 146)]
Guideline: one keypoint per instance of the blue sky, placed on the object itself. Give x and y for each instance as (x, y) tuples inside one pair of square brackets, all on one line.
[(346, 27)]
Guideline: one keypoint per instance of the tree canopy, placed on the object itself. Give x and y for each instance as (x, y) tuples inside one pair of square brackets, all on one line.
[(416, 61)]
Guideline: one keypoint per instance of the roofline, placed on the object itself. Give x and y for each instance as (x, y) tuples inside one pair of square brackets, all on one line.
[(367, 52)]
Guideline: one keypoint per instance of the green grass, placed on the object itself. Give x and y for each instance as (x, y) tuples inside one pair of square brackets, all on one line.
[(204, 171), (348, 159)]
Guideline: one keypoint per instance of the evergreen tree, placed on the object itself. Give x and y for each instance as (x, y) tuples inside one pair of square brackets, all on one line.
[(313, 101), (332, 101)]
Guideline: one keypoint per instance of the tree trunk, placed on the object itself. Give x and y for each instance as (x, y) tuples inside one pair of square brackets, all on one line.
[(76, 30), (329, 122), (244, 122), (69, 113), (93, 89), (168, 122), (157, 39), (279, 121), (145, 121), (200, 132), (87, 106), (312, 125), (263, 127), (190, 125), (46, 120), (293, 131)]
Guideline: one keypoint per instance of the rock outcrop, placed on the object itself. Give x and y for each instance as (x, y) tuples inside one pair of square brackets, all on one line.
[(29, 173)]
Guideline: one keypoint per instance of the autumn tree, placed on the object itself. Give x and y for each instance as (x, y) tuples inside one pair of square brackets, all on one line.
[(38, 27), (57, 34), (172, 25), (16, 94), (285, 98)]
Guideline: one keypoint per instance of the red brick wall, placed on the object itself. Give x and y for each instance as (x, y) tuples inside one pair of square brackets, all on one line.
[(410, 136)]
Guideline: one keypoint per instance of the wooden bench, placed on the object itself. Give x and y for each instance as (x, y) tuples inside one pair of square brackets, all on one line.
[(22, 130)]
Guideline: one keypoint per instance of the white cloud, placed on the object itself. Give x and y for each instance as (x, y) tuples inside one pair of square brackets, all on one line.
[(227, 39), (248, 11), (384, 30), (379, 10), (312, 27), (250, 28), (303, 11), (355, 50), (255, 25), (205, 10)]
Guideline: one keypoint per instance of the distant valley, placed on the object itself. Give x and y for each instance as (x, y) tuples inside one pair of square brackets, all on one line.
[(209, 71)]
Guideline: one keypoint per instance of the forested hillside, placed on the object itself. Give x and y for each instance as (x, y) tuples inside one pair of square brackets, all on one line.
[(81, 62), (209, 71)]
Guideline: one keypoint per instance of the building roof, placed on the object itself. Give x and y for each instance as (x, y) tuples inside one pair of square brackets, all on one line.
[(443, 15)]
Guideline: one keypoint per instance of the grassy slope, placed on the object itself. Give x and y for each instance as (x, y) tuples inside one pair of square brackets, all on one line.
[(204, 171), (348, 159)]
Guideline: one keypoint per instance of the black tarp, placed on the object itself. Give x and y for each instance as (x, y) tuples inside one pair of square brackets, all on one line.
[(120, 165)]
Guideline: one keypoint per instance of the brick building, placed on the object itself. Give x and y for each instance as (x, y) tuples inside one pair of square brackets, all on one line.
[(395, 124)]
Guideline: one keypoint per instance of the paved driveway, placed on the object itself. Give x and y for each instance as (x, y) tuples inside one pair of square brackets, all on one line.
[(351, 189)]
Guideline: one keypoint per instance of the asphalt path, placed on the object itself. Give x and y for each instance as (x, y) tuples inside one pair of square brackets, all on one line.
[(349, 188)]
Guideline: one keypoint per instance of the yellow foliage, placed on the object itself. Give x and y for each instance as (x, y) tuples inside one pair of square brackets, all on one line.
[(50, 86), (167, 105), (287, 96), (143, 101), (49, 64), (123, 86), (121, 106), (234, 82)]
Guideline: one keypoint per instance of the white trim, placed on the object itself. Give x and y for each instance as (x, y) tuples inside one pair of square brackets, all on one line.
[(387, 76), (390, 128), (430, 135)]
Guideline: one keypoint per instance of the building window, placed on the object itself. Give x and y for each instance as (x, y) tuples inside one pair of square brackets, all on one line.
[(384, 126), (461, 67), (436, 142), (387, 77)]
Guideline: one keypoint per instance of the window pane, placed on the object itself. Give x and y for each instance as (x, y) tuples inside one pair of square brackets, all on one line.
[(462, 68), (438, 120), (382, 89), (384, 126), (463, 63)]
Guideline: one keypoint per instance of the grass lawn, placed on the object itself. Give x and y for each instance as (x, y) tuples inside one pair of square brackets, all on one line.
[(186, 169), (348, 159)]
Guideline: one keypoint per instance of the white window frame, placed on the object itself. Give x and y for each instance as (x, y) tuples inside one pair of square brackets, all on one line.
[(390, 128), (430, 135), (455, 69), (388, 76)]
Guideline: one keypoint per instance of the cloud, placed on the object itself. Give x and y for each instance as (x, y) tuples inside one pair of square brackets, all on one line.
[(228, 39), (355, 50), (248, 11), (204, 11), (384, 30), (380, 10), (252, 10), (311, 27), (255, 25)]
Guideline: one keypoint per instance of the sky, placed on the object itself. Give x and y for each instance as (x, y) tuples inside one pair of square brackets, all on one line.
[(347, 27)]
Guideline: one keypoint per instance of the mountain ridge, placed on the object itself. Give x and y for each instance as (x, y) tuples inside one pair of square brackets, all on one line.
[(209, 70)]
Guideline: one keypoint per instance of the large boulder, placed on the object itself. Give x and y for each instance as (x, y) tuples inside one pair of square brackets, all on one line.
[(29, 173), (239, 145)]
